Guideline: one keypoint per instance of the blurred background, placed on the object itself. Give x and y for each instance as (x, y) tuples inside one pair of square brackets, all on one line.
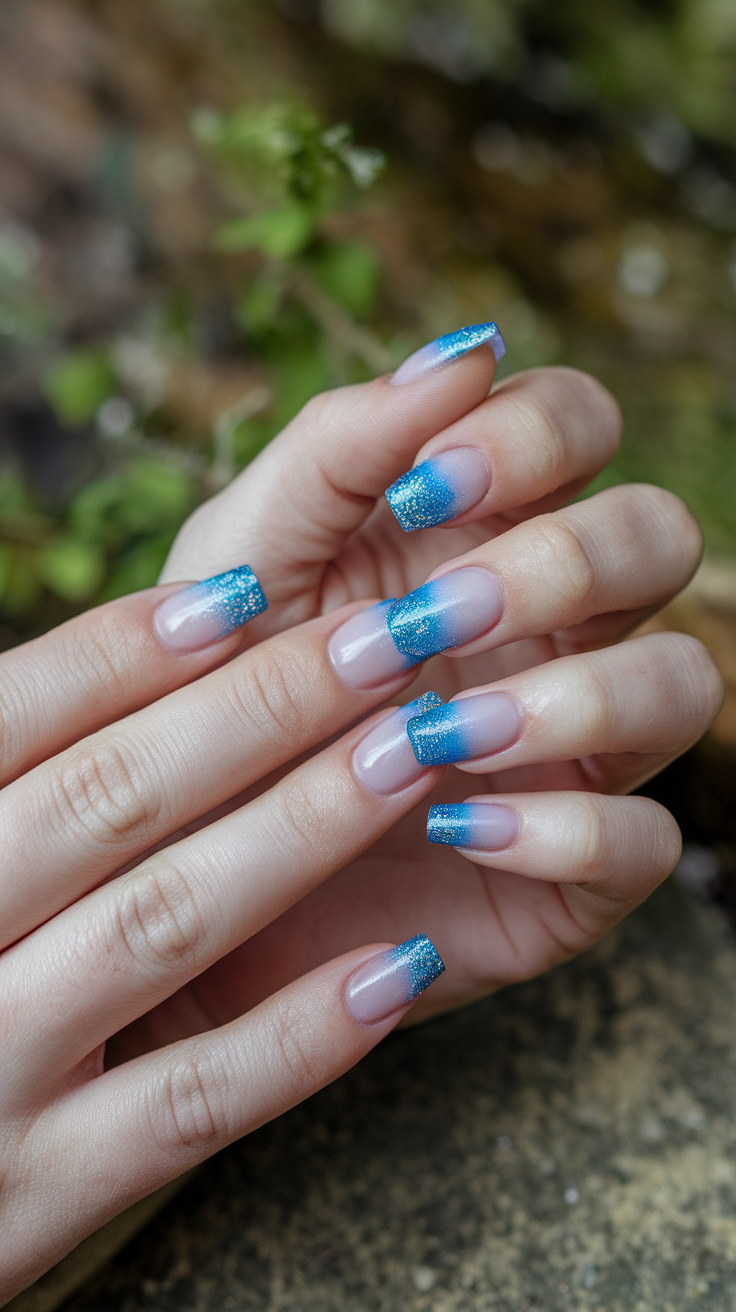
[(212, 209)]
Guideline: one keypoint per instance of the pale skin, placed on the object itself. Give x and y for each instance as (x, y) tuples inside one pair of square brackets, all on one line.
[(212, 969)]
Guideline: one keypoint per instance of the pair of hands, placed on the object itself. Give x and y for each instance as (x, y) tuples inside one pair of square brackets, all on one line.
[(192, 878)]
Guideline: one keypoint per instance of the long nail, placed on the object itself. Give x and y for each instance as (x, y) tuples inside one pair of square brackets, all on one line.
[(440, 488), (386, 640), (443, 350), (384, 761), (480, 826), (205, 612), (389, 981), (465, 729)]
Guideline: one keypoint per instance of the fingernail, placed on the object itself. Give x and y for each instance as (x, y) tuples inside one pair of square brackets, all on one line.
[(446, 612), (390, 638), (362, 651), (466, 729), (439, 488), (443, 350), (481, 826), (389, 981), (384, 761), (207, 611)]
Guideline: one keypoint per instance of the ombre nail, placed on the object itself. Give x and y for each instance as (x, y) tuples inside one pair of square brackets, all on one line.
[(480, 826), (445, 349), (384, 761), (440, 488), (389, 981), (386, 640), (465, 729), (205, 612)]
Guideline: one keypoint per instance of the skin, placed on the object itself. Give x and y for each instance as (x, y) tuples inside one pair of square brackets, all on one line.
[(190, 875)]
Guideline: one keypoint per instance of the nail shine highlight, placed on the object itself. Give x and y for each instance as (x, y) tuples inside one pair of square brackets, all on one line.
[(391, 980), (207, 611), (439, 488), (479, 826), (445, 349)]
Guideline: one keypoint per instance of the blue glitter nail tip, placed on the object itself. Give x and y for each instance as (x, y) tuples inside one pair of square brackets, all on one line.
[(438, 736), (233, 597), (421, 498), (453, 345), (417, 624), (420, 961), (451, 824)]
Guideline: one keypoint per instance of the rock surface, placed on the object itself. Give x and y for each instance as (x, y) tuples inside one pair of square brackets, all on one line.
[(567, 1144)]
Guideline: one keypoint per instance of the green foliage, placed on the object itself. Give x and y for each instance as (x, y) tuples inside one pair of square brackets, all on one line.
[(77, 384), (300, 304), (350, 272)]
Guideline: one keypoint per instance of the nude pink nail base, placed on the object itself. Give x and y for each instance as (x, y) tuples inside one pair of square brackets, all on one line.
[(384, 761), (205, 612), (389, 981)]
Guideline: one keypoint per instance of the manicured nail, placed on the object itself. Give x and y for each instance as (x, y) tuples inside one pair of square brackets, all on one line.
[(445, 349), (386, 640), (439, 489), (205, 612), (465, 729), (384, 761), (481, 826), (389, 981)]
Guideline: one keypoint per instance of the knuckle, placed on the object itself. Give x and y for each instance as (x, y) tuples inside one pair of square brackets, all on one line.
[(290, 1037), (597, 707), (699, 684), (566, 557), (304, 814), (547, 447), (588, 839), (189, 1111), (103, 790), (268, 692), (158, 920)]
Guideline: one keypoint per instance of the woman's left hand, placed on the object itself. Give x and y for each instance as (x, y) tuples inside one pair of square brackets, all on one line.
[(587, 718)]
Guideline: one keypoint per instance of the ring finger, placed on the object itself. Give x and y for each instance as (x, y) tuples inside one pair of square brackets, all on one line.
[(621, 713)]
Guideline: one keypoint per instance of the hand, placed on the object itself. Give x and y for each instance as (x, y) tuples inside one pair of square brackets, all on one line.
[(112, 747), (309, 517)]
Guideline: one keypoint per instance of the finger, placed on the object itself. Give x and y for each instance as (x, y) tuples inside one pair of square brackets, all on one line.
[(131, 1130), (649, 699), (321, 477), (94, 669), (539, 437), (576, 865), (88, 811), (139, 938), (628, 549), (616, 849)]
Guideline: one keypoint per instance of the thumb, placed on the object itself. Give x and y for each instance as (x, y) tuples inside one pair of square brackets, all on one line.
[(290, 512)]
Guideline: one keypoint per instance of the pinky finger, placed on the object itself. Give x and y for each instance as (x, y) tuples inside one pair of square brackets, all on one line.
[(126, 1133), (605, 853)]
